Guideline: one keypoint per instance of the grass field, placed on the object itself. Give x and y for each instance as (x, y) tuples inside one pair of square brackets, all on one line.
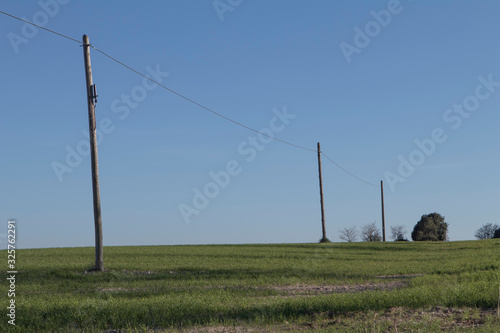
[(348, 287)]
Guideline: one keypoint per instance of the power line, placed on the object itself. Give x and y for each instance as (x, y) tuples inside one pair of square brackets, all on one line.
[(349, 173), (201, 105), (193, 101), (36, 25), (229, 119)]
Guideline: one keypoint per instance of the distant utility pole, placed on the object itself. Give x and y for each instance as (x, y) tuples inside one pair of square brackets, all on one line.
[(91, 100), (321, 195), (383, 214)]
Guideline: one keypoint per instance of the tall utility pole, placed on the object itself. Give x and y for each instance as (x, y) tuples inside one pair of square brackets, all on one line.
[(321, 195), (91, 99), (383, 214)]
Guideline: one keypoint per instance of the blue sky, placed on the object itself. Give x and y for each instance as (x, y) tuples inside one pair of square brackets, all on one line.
[(367, 79)]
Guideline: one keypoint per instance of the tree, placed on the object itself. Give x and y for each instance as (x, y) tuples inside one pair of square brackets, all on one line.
[(398, 233), (431, 227), (370, 233), (487, 231), (349, 234), (497, 234)]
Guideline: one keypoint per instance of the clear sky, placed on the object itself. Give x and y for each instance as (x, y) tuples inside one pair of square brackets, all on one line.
[(406, 92)]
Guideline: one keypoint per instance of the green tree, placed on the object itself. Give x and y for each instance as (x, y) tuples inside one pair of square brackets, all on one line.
[(497, 234), (431, 227)]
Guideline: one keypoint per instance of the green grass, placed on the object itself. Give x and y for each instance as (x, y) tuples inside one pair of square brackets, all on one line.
[(172, 287)]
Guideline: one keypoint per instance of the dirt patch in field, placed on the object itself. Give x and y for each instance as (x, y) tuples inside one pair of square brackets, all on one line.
[(139, 272), (93, 271), (112, 289), (450, 318), (407, 276), (393, 320), (403, 319), (243, 329), (304, 289)]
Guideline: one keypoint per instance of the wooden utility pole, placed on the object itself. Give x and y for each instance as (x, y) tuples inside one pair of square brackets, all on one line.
[(383, 214), (91, 99), (321, 195)]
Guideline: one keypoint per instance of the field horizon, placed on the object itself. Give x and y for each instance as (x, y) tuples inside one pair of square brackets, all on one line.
[(239, 244), (348, 287)]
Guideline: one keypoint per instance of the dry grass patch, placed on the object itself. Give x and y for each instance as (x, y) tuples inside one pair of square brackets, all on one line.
[(306, 290)]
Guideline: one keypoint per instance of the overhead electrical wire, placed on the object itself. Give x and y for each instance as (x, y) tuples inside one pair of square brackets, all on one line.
[(349, 173), (36, 25), (200, 105), (191, 100)]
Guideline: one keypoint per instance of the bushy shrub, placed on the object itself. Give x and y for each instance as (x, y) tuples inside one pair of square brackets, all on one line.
[(497, 234), (431, 227)]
